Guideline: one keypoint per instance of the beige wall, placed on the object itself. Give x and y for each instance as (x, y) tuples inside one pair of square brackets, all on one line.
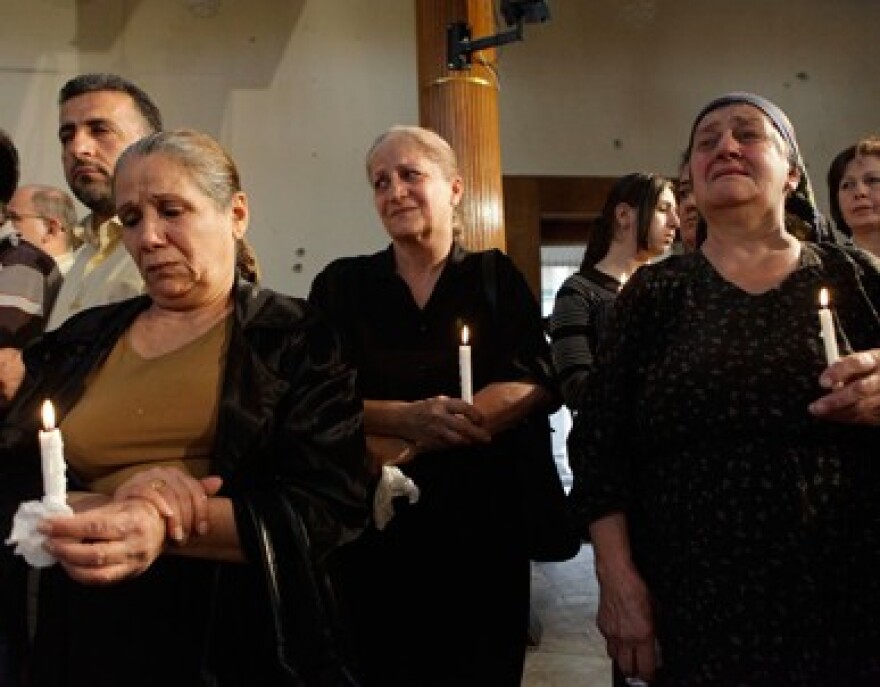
[(611, 86), (297, 89)]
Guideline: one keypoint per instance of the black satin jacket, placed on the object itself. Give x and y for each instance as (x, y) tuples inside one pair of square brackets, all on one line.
[(289, 447)]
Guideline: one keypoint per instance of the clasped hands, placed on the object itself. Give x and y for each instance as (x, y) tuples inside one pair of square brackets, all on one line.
[(443, 422), (110, 539), (853, 384), (407, 429)]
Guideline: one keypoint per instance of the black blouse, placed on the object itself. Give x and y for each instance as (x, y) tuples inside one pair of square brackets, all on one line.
[(403, 352), (468, 508)]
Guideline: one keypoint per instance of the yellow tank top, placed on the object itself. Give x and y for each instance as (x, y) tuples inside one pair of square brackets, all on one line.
[(138, 413)]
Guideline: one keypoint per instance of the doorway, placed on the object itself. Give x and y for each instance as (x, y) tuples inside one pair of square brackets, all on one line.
[(547, 226)]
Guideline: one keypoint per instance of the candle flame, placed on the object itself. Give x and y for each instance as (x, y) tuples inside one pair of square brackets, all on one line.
[(48, 412), (465, 335), (823, 297)]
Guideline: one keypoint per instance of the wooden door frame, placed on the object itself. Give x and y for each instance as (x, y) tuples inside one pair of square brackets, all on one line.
[(548, 210)]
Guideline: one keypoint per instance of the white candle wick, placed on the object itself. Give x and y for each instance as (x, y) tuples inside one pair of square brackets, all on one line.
[(826, 324), (464, 367)]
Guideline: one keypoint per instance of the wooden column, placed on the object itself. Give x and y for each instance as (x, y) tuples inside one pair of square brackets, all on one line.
[(462, 106)]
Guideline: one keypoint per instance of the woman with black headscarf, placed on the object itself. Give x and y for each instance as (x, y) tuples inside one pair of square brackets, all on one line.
[(731, 485)]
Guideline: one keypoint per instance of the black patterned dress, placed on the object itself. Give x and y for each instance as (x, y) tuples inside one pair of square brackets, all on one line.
[(755, 525)]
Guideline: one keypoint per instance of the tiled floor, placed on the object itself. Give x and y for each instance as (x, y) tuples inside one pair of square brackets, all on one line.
[(571, 652)]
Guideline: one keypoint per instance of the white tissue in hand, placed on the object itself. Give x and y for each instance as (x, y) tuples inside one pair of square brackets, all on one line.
[(28, 541), (392, 484)]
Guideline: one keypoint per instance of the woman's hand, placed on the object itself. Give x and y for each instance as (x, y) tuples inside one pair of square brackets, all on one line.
[(11, 373), (625, 618), (108, 543), (442, 422), (854, 384), (181, 499), (504, 404), (626, 622)]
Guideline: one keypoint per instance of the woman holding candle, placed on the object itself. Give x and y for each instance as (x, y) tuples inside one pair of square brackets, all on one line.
[(730, 483), (453, 566), (206, 379)]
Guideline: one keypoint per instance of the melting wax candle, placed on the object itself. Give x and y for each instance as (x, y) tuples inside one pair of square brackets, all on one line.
[(826, 324), (464, 367), (52, 458)]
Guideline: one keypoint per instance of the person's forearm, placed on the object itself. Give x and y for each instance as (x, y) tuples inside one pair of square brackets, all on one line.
[(610, 538), (388, 450), (220, 542), (504, 404), (384, 417)]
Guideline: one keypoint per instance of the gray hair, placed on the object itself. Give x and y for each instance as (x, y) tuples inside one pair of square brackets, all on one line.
[(211, 169), (433, 146), (207, 163)]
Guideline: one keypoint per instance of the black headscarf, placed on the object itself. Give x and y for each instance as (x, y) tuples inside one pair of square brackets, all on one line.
[(800, 203)]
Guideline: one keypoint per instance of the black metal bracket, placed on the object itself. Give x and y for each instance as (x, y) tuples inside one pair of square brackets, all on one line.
[(459, 45)]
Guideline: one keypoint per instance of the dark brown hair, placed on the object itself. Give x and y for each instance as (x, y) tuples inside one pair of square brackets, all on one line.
[(870, 145), (94, 83), (638, 190)]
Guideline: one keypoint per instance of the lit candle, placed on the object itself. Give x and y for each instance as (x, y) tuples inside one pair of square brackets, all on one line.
[(464, 367), (52, 457), (826, 322)]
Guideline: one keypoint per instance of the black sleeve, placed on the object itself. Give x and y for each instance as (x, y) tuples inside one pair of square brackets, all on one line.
[(602, 463), (521, 329), (318, 446)]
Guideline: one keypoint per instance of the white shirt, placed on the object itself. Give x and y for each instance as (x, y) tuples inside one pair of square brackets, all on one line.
[(65, 261), (102, 272)]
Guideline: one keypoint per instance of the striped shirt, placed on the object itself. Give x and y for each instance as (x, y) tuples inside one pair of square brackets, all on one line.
[(581, 304), (29, 283)]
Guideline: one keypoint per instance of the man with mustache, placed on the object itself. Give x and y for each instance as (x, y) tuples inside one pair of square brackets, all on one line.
[(100, 116)]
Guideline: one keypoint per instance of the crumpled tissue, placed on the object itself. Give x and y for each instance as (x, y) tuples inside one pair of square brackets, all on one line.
[(392, 484), (28, 541)]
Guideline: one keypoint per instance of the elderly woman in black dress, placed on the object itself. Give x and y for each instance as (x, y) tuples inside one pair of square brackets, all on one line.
[(440, 597), (731, 486)]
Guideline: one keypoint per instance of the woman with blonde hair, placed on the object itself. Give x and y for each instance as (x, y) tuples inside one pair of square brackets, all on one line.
[(441, 595)]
